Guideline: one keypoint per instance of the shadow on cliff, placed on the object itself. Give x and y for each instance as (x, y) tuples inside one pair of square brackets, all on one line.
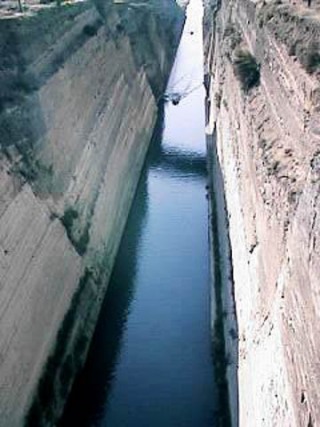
[(93, 385), (147, 24), (23, 123), (225, 328)]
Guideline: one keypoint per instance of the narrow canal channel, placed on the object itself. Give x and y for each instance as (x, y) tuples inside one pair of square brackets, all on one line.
[(150, 362)]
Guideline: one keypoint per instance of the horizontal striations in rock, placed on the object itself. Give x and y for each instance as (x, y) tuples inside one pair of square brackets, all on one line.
[(39, 273), (78, 104), (268, 149)]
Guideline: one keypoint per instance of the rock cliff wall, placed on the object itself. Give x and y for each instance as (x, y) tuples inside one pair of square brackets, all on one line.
[(78, 103), (268, 145)]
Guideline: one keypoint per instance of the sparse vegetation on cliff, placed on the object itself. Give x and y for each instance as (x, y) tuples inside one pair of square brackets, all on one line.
[(311, 58), (232, 36), (296, 30), (53, 386), (80, 244), (90, 30), (218, 97), (70, 214), (247, 69)]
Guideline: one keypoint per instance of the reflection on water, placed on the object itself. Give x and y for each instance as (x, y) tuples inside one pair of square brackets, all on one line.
[(179, 163), (150, 363), (91, 390)]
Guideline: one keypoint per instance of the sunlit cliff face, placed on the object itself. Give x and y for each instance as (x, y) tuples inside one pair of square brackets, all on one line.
[(268, 152), (75, 127)]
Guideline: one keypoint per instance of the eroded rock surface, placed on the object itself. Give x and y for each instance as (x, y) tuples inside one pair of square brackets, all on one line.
[(268, 149), (78, 99)]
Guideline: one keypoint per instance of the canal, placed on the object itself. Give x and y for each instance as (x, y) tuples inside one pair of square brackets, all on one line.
[(150, 362)]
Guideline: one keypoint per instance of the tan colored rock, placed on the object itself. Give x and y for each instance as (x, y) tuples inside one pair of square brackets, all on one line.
[(77, 114), (268, 145)]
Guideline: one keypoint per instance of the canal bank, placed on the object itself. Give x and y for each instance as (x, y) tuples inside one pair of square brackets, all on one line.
[(224, 324), (77, 113), (151, 360)]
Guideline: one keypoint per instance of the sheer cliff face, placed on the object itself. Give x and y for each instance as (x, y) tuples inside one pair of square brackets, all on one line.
[(78, 105), (268, 143)]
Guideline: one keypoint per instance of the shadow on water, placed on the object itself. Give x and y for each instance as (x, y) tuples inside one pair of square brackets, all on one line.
[(150, 361), (225, 356), (90, 392)]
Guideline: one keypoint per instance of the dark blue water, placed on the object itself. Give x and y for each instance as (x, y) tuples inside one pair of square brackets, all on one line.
[(150, 361)]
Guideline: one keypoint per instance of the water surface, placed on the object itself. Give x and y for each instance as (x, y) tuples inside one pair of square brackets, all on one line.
[(150, 360)]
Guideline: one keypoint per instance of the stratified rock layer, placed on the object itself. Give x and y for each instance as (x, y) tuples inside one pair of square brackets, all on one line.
[(78, 99), (268, 149)]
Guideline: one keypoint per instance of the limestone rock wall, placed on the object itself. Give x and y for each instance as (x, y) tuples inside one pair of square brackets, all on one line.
[(268, 150), (78, 104)]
